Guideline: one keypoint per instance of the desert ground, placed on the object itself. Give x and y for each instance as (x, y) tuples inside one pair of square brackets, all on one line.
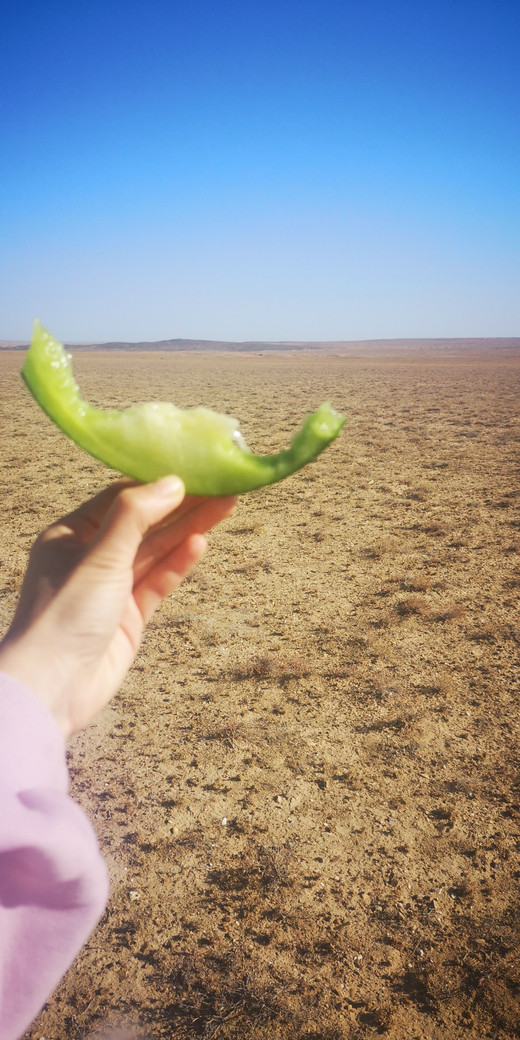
[(308, 789)]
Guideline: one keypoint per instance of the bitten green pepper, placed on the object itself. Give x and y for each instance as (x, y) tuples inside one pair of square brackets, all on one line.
[(149, 441)]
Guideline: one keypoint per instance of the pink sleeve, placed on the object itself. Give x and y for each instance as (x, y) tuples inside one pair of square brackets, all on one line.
[(53, 882)]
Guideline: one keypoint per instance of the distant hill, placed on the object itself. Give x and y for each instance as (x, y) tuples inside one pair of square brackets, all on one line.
[(353, 346)]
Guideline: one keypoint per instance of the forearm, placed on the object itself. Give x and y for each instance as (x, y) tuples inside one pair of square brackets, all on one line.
[(53, 882)]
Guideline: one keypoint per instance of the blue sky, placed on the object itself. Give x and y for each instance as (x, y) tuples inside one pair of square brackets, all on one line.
[(297, 170)]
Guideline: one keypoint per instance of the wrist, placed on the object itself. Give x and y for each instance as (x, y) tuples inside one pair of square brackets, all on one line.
[(27, 659)]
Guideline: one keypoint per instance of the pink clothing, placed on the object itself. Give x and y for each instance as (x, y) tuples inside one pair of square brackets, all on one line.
[(53, 881)]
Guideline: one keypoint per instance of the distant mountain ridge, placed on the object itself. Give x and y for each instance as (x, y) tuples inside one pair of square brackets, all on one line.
[(507, 344)]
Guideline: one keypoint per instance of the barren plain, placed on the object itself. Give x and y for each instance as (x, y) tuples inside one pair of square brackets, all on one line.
[(308, 789)]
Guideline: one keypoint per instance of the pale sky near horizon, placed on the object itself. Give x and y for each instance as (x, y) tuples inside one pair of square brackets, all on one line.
[(277, 171)]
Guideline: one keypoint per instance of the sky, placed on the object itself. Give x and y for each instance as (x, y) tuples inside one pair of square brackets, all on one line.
[(271, 171)]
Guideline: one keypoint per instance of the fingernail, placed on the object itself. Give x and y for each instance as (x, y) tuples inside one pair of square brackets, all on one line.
[(169, 487)]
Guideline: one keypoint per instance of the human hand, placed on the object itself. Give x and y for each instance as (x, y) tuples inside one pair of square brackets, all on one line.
[(94, 579)]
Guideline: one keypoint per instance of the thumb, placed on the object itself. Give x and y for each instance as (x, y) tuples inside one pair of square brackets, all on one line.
[(130, 517)]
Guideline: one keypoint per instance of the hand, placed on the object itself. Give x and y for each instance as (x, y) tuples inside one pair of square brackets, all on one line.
[(93, 582)]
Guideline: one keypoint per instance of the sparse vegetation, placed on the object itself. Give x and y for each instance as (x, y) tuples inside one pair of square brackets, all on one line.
[(411, 605), (455, 612), (264, 666), (307, 790)]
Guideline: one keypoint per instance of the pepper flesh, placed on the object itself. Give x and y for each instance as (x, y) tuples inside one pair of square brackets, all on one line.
[(148, 441)]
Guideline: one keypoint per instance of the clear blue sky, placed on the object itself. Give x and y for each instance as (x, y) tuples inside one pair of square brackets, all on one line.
[(269, 170)]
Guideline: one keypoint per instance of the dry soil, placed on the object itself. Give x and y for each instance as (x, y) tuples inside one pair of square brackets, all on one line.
[(307, 790)]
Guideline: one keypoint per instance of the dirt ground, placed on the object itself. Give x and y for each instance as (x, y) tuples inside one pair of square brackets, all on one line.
[(307, 790)]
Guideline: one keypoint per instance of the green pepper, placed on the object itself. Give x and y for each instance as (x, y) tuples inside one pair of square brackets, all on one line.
[(152, 440)]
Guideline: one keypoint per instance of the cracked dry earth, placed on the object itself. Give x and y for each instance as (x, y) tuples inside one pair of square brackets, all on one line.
[(307, 790)]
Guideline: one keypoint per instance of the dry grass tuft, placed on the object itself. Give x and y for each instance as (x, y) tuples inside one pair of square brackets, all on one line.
[(378, 549), (456, 612), (254, 528), (284, 669), (415, 583), (258, 667), (486, 633), (263, 867), (229, 732), (211, 994), (266, 667), (412, 605), (437, 528)]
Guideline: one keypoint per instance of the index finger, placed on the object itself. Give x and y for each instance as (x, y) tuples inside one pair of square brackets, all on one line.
[(88, 517), (93, 511)]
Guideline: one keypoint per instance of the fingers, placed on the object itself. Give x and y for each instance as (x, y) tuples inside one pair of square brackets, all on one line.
[(199, 518), (93, 511), (86, 520), (134, 510), (90, 514), (167, 575)]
